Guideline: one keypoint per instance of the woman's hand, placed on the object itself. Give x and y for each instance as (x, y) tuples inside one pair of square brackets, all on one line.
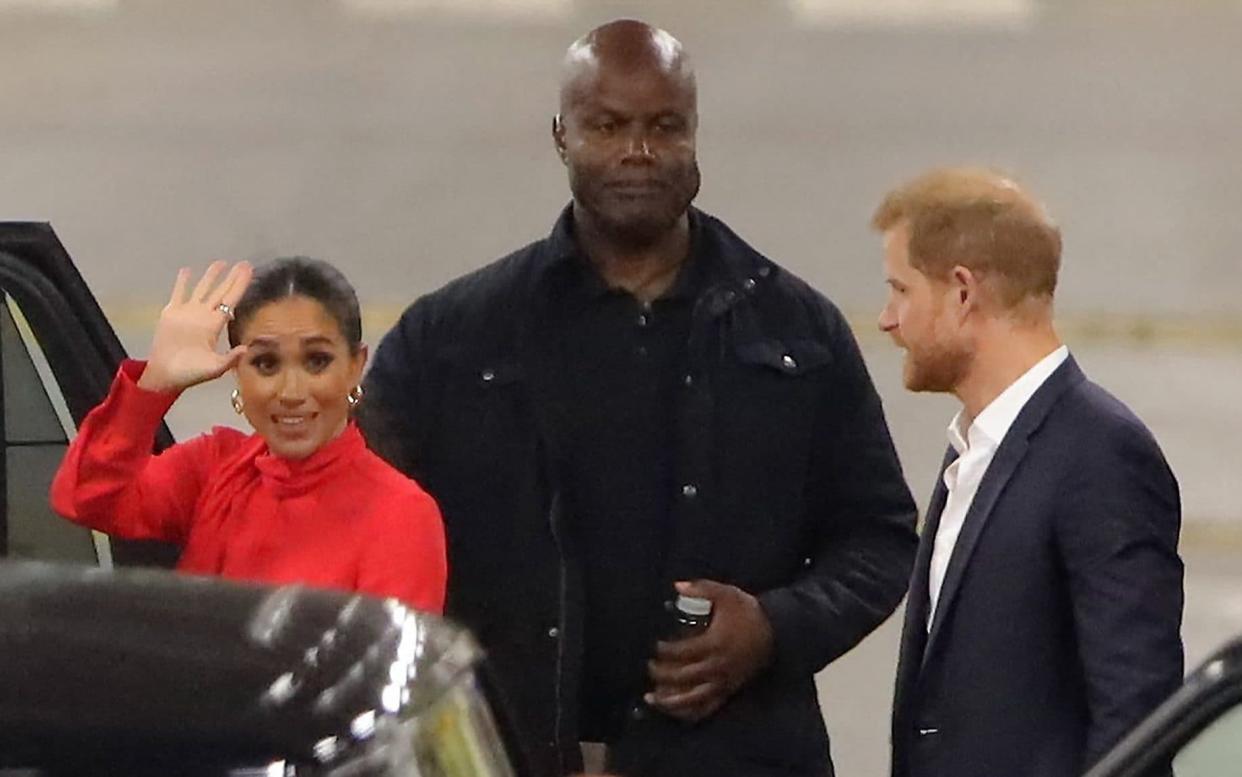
[(183, 352)]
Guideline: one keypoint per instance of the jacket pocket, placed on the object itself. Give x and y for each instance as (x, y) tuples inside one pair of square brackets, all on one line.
[(793, 358), (766, 729), (766, 406), (482, 415), (467, 370), (777, 725)]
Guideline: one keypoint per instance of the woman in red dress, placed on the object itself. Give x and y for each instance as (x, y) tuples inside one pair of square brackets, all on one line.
[(302, 499)]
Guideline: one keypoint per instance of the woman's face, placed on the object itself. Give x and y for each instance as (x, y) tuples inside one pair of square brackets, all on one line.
[(296, 375)]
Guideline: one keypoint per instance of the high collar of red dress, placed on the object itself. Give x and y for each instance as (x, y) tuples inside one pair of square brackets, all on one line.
[(289, 477)]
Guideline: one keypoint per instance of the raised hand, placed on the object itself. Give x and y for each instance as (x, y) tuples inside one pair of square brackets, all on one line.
[(183, 352)]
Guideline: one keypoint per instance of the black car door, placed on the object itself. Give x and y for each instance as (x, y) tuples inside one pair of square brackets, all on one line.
[(58, 354)]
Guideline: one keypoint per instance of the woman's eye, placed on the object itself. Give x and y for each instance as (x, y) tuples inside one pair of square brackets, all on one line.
[(264, 363), (318, 362)]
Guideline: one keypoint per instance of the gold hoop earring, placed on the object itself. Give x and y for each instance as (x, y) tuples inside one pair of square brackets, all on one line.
[(354, 396), (236, 401)]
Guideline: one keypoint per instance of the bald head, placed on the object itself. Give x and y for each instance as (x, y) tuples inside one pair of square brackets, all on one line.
[(621, 48), (626, 132)]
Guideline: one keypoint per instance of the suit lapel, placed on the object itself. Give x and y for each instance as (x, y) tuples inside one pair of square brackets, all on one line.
[(917, 602), (914, 625), (1004, 464)]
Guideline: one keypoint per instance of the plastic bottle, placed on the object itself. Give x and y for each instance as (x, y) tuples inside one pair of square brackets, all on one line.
[(691, 617)]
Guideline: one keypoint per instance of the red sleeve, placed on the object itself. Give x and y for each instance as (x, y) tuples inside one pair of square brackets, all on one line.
[(109, 480), (407, 558)]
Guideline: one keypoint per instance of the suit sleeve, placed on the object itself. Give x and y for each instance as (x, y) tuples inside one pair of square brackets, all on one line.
[(408, 561), (110, 481), (862, 520), (1117, 529)]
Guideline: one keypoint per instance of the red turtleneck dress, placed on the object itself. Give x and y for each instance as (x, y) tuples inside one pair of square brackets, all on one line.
[(341, 518)]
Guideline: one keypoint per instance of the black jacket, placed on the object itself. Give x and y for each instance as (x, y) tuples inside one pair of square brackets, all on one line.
[(1058, 624), (791, 491)]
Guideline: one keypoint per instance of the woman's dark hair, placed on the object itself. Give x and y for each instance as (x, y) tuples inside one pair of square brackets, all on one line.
[(301, 276)]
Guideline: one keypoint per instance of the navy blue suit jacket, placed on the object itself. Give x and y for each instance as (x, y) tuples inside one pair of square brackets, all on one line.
[(1058, 624)]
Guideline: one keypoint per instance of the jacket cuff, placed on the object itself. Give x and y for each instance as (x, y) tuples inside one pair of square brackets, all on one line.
[(784, 613), (146, 408)]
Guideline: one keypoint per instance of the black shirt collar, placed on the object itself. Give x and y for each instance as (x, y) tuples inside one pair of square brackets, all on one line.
[(571, 264)]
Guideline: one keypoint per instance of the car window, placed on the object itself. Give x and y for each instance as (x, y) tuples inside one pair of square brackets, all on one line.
[(1216, 751), (37, 428)]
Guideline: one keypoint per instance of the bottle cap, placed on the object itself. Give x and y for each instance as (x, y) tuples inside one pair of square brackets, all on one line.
[(693, 605)]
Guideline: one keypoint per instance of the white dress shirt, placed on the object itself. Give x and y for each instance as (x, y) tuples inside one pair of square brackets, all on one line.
[(975, 446)]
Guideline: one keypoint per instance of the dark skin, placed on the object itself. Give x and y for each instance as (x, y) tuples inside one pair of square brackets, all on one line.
[(626, 133), (694, 677)]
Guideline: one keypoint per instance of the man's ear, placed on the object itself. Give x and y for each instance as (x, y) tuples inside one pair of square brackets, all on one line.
[(558, 137), (967, 290)]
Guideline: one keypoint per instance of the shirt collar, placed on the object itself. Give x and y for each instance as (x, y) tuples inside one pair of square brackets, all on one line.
[(560, 242), (957, 433), (564, 255), (993, 423)]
